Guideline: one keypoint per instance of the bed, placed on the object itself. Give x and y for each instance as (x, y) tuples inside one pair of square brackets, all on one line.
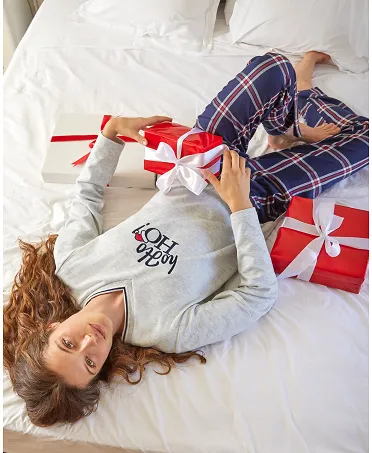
[(298, 381)]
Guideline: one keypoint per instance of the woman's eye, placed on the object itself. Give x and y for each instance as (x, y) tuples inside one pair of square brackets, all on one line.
[(68, 344), (90, 362)]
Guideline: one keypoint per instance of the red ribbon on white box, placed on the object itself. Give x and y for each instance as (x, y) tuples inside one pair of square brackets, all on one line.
[(75, 138), (325, 223), (186, 169)]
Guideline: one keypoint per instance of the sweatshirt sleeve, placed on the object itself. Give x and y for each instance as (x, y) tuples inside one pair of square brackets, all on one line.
[(232, 311), (85, 221)]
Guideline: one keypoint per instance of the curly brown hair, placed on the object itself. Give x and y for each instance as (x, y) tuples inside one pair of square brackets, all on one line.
[(39, 298)]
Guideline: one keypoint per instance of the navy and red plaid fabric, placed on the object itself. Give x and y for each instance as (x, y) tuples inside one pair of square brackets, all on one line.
[(265, 92)]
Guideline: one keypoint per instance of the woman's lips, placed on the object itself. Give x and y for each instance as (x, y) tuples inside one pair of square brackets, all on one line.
[(101, 331)]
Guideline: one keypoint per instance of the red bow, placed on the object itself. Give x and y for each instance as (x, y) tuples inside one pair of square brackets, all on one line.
[(74, 138)]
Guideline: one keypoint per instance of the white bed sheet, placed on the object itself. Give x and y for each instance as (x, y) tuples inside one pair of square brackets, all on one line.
[(298, 381)]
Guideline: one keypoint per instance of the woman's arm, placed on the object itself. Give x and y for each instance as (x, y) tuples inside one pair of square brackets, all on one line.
[(85, 220), (233, 311)]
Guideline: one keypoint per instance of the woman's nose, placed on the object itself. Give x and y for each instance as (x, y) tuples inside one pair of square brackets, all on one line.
[(88, 340)]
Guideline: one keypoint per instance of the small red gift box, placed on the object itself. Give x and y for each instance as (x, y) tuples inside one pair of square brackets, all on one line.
[(178, 152), (323, 243)]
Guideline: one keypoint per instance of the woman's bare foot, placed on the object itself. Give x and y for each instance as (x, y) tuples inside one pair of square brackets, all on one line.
[(319, 133), (305, 68), (304, 73), (284, 141), (308, 135), (318, 57)]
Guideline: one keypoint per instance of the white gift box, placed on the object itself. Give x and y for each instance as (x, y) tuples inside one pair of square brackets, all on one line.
[(58, 166)]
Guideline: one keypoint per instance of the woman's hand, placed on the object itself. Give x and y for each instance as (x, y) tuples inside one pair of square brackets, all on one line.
[(235, 183), (130, 127)]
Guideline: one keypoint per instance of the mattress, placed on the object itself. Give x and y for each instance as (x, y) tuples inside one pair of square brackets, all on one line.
[(296, 382)]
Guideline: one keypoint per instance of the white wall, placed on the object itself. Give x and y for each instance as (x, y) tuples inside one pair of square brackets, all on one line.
[(359, 31), (8, 43), (17, 17)]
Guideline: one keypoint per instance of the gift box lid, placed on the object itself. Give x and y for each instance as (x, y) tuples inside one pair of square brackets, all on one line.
[(58, 166), (171, 132), (355, 223)]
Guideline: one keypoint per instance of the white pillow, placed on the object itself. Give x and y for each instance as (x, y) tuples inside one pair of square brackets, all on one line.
[(229, 8), (297, 26), (185, 24)]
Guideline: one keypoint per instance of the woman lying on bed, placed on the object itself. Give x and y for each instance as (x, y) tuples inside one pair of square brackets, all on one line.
[(89, 305)]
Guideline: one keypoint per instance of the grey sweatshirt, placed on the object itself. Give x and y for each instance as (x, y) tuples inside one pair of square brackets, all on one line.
[(170, 259)]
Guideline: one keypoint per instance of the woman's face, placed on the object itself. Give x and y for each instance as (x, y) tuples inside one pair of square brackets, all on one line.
[(79, 346)]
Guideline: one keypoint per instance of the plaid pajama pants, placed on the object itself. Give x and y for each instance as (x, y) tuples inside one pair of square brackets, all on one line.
[(265, 92)]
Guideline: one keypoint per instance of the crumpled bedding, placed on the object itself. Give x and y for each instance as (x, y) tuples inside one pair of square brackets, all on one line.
[(296, 382)]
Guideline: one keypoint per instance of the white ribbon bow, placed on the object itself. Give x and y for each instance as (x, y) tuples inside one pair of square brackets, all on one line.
[(186, 169), (325, 223)]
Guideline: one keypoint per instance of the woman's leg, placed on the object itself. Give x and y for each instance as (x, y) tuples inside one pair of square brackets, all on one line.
[(264, 92), (309, 169)]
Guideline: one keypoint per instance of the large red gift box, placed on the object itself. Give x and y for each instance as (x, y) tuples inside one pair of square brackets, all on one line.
[(198, 150), (345, 271)]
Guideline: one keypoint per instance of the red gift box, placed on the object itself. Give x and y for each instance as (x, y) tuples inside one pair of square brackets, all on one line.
[(173, 155), (346, 270)]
